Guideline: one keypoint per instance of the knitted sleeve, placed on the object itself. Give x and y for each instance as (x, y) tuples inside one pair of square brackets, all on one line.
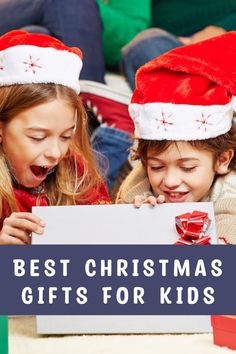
[(136, 183), (225, 213)]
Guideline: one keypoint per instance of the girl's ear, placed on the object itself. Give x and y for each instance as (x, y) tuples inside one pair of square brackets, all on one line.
[(223, 161)]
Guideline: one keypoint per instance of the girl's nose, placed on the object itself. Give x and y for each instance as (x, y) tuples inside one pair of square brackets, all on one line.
[(53, 151)]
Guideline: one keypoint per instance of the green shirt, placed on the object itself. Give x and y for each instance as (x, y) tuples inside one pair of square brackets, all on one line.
[(122, 20), (185, 17)]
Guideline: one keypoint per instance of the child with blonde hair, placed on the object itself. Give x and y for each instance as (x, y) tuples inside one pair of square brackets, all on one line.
[(182, 108), (45, 156)]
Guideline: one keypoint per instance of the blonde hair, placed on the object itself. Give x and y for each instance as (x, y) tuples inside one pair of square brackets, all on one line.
[(68, 184)]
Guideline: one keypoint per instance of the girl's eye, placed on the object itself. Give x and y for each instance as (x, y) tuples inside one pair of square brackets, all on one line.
[(37, 138), (67, 137), (188, 169)]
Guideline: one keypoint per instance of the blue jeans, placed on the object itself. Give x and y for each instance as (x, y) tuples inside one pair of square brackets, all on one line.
[(75, 22), (113, 147), (146, 46)]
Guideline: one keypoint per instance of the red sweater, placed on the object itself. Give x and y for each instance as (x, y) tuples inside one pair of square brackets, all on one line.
[(26, 198)]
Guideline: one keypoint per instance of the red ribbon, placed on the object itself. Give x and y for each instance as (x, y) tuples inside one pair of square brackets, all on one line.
[(192, 227)]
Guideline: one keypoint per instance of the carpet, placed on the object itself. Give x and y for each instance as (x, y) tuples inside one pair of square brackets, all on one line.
[(24, 340)]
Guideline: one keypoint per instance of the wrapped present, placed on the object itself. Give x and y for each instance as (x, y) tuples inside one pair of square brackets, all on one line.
[(205, 240), (224, 331), (192, 228), (3, 335), (183, 241)]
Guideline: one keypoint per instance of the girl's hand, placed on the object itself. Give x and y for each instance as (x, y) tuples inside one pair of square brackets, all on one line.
[(139, 200), (18, 226)]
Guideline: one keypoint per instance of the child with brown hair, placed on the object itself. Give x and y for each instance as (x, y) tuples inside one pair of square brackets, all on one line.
[(182, 108), (45, 156)]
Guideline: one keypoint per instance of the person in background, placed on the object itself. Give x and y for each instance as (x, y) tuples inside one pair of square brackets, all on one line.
[(176, 23), (45, 155), (121, 21), (182, 108), (112, 136), (76, 23)]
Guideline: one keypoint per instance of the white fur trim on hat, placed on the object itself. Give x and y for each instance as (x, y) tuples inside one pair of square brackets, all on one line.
[(167, 121), (25, 64)]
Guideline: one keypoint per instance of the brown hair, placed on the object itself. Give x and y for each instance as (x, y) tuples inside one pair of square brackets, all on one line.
[(216, 145), (65, 186)]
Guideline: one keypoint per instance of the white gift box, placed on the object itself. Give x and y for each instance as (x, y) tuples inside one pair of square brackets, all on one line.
[(118, 224)]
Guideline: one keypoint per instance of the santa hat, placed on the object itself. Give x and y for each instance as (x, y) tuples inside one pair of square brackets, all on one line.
[(38, 58), (187, 93)]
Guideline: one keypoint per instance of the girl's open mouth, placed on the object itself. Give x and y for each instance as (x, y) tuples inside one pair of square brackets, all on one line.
[(39, 172)]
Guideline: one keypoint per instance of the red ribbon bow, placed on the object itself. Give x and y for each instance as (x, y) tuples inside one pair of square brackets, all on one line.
[(192, 227)]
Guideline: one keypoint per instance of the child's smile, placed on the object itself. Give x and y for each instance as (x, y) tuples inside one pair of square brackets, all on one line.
[(181, 173), (37, 139), (175, 197)]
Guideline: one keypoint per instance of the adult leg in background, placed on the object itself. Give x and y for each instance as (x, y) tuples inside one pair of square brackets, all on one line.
[(146, 46), (113, 137), (114, 145), (16, 14), (77, 23)]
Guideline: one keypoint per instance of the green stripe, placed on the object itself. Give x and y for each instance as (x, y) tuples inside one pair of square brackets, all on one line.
[(3, 335)]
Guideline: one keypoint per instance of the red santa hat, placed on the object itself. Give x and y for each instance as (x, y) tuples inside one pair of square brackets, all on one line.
[(38, 58), (188, 92)]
